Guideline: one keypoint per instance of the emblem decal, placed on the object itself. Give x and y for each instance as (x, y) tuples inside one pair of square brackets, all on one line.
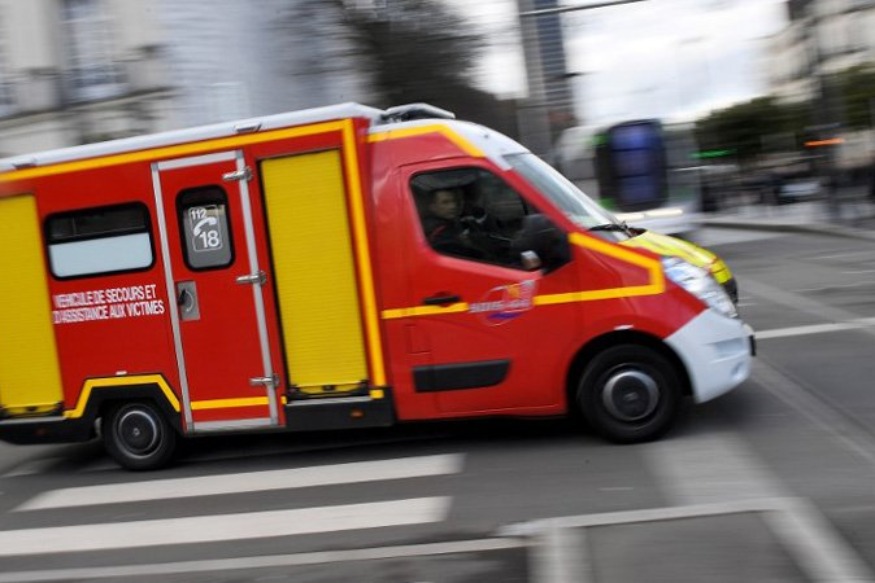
[(506, 302)]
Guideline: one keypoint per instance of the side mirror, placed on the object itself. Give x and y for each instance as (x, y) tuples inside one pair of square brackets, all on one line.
[(540, 243)]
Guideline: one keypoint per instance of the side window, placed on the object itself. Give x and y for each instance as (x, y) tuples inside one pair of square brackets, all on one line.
[(99, 241), (470, 213), (203, 221)]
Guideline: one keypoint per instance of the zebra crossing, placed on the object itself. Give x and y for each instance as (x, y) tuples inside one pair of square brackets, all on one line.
[(231, 526), (221, 527), (134, 523), (286, 479)]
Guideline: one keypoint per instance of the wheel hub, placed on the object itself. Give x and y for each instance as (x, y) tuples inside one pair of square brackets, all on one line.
[(138, 432), (630, 395)]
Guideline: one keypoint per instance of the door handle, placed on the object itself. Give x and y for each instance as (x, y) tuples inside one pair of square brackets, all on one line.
[(186, 299), (441, 299)]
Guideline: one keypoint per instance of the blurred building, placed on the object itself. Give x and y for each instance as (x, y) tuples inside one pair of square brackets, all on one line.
[(822, 37), (78, 71), (550, 107), (74, 71), (230, 60)]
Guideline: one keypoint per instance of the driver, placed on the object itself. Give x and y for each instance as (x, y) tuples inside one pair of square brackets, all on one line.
[(443, 227)]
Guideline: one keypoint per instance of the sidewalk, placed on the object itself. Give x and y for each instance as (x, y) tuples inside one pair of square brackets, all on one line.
[(850, 217)]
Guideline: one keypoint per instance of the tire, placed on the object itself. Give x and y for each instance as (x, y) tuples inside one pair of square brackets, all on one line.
[(629, 394), (138, 436)]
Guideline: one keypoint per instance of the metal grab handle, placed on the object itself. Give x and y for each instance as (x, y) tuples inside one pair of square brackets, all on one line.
[(441, 300), (259, 278)]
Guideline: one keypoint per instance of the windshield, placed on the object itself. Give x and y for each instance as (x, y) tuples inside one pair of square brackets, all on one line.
[(577, 206)]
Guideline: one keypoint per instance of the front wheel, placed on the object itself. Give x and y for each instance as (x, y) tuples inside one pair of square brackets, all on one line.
[(629, 394), (138, 436)]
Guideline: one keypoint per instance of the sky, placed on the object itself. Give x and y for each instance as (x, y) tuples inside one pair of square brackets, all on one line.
[(674, 59)]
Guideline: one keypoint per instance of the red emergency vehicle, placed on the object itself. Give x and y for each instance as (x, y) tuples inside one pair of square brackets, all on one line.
[(278, 274)]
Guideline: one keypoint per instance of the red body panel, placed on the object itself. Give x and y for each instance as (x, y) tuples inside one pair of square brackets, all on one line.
[(540, 343), (130, 340)]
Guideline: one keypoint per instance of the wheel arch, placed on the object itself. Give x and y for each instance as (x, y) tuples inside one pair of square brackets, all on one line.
[(616, 338), (99, 394)]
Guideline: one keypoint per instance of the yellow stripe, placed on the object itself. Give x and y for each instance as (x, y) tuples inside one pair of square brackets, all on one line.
[(594, 295), (655, 286), (461, 142), (121, 382), (229, 403), (366, 273), (424, 311), (178, 151)]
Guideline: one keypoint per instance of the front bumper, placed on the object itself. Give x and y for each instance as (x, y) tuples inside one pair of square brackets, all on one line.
[(716, 351)]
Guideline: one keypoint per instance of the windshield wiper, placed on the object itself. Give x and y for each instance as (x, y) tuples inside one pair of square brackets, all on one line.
[(620, 227), (615, 227)]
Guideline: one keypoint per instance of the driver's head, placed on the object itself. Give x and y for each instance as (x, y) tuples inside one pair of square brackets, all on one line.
[(444, 203)]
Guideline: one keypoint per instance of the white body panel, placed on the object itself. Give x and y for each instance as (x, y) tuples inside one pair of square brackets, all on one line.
[(716, 352)]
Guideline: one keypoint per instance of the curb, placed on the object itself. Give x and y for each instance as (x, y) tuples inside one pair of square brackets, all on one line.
[(831, 230)]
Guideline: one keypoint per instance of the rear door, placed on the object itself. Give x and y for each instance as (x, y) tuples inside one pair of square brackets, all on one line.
[(218, 277), (30, 380)]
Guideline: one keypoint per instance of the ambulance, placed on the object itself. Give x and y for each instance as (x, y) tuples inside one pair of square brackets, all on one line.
[(277, 274)]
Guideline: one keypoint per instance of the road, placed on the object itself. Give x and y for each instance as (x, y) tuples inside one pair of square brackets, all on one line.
[(775, 481)]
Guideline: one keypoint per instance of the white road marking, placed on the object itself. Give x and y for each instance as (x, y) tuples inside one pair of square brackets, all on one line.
[(821, 551), (806, 330), (227, 527), (809, 538), (715, 467), (847, 255), (863, 283), (357, 472), (250, 563)]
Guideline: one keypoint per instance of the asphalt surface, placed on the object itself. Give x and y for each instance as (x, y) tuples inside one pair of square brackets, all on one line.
[(759, 534)]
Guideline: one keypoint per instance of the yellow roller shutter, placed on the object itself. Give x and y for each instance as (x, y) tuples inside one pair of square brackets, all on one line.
[(30, 380), (315, 272)]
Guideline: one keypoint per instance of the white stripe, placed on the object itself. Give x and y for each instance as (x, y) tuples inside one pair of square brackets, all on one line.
[(804, 330), (204, 529), (811, 540), (817, 547), (357, 472), (720, 468), (251, 563), (561, 556), (855, 324), (717, 467)]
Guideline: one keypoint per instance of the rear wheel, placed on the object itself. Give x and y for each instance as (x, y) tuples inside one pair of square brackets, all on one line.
[(138, 436), (629, 394)]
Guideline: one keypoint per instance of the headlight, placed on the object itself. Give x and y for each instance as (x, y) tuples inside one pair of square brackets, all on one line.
[(699, 282)]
